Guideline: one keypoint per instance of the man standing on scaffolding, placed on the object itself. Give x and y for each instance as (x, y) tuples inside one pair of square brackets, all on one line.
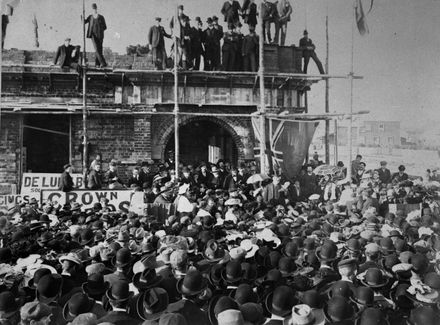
[(156, 41), (95, 31), (284, 9), (308, 49)]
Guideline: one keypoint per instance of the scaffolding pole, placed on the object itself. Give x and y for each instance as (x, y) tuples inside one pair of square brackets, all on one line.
[(350, 127), (263, 167), (327, 91), (176, 92), (84, 96)]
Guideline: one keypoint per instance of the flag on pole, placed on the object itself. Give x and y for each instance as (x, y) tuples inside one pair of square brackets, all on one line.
[(361, 20)]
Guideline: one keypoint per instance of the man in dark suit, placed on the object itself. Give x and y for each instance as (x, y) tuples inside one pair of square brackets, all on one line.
[(210, 44), (230, 11), (196, 44), (95, 180), (135, 180), (95, 31), (156, 40), (219, 35), (384, 173), (66, 182), (249, 15), (229, 49), (119, 296), (308, 49), (249, 50), (233, 180), (67, 55), (309, 182), (204, 175), (269, 15)]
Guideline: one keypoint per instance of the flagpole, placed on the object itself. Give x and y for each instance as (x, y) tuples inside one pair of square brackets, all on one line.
[(262, 96), (84, 94), (350, 140), (176, 94), (327, 89)]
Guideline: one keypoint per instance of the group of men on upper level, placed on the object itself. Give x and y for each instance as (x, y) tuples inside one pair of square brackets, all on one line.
[(227, 50)]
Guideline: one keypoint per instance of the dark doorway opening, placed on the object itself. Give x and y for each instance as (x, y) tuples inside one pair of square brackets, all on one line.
[(45, 151), (203, 140)]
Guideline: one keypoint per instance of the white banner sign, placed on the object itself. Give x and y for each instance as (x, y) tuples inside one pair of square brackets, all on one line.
[(117, 200), (33, 183), (9, 201)]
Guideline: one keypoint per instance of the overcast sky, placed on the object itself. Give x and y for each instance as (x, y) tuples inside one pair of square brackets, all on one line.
[(399, 58)]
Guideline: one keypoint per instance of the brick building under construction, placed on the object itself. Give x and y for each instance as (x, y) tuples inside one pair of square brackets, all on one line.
[(130, 113)]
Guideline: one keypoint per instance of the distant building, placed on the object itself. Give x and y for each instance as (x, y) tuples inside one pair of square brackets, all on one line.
[(370, 134)]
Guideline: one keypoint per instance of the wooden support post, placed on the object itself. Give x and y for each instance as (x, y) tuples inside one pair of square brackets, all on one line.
[(327, 90), (84, 94), (70, 140), (263, 168), (176, 93)]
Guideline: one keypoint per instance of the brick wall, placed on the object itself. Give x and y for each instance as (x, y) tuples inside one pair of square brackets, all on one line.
[(124, 138), (9, 151), (240, 129)]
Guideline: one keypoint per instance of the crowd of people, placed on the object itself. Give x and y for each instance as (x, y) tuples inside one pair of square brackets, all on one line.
[(240, 248), (218, 48)]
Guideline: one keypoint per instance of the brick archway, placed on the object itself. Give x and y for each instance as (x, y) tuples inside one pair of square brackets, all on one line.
[(167, 130)]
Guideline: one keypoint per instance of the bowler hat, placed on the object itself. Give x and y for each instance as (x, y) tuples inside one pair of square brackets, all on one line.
[(79, 303), (94, 6), (253, 313), (87, 236), (119, 291), (192, 284), (95, 285), (312, 298), (151, 304), (123, 258), (372, 316), (37, 276), (374, 278), (363, 296), (158, 19), (287, 266), (249, 272), (338, 309), (281, 301), (341, 288), (353, 245), (387, 246), (420, 263), (49, 287), (432, 280), (290, 249), (243, 294), (327, 252), (215, 274), (232, 273), (8, 304), (146, 279)]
